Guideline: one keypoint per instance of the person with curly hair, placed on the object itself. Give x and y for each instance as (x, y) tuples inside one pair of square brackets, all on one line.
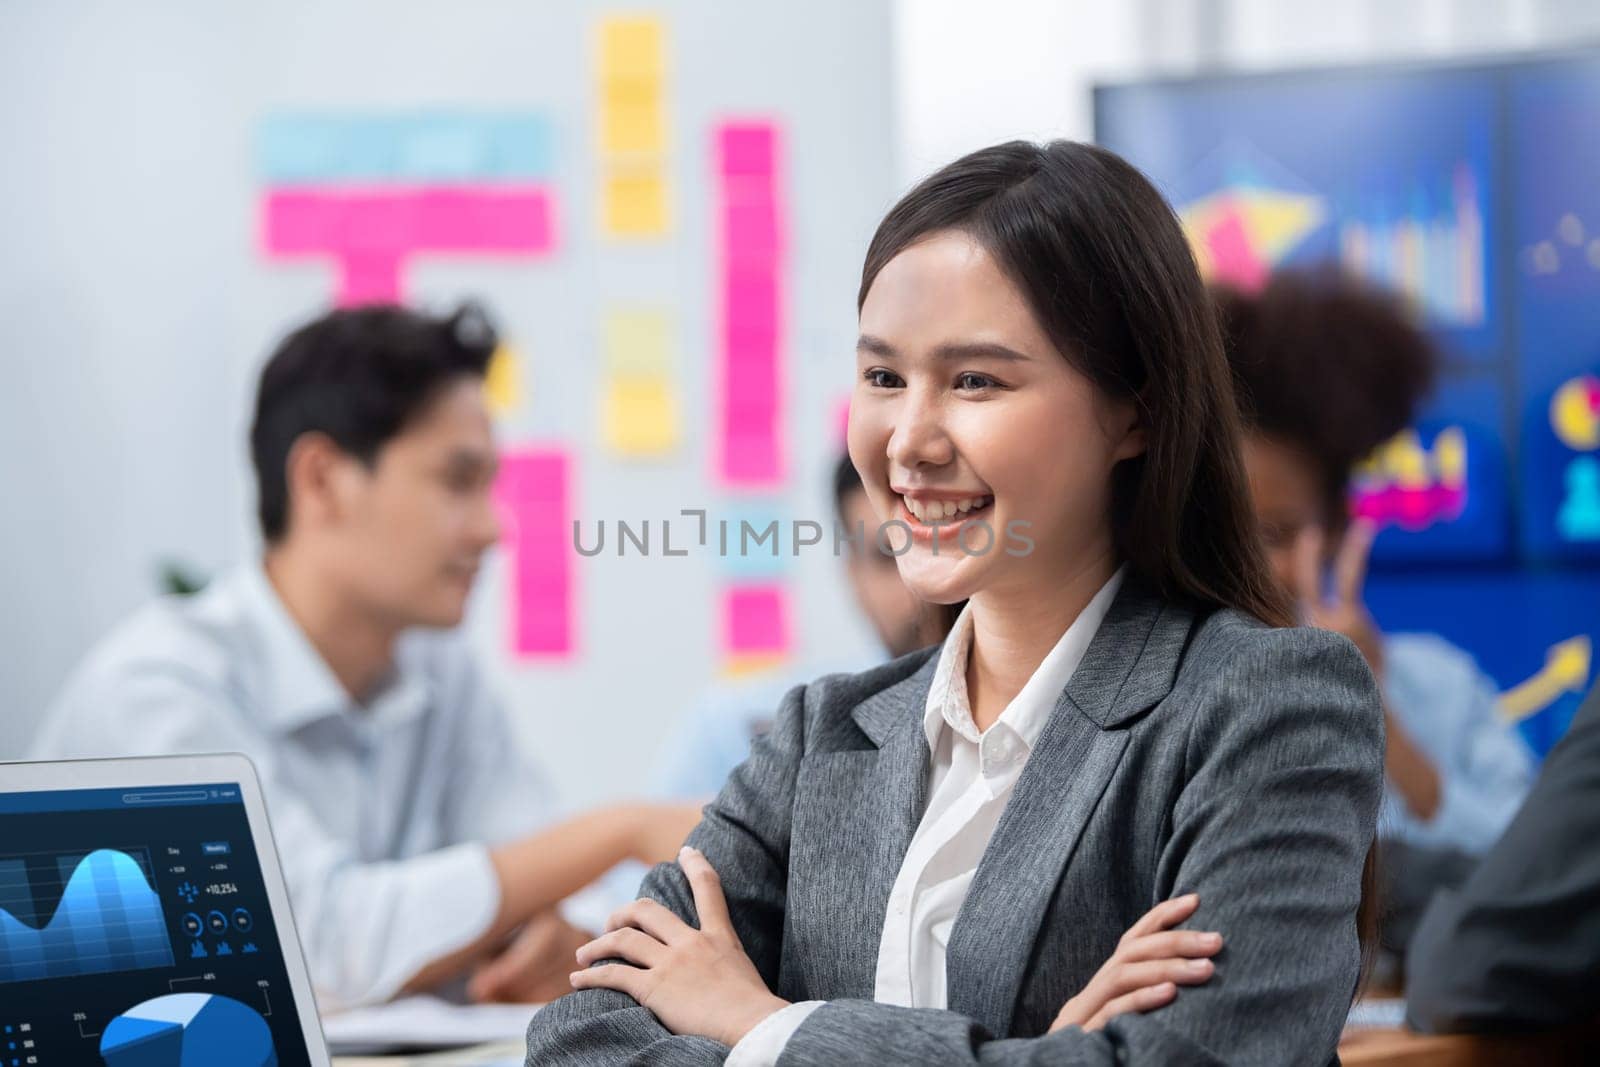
[(1327, 369)]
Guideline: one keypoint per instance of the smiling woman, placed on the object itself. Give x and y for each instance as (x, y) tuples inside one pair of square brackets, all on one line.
[(993, 851)]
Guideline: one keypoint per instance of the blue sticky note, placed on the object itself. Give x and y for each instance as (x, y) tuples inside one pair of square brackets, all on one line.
[(424, 147)]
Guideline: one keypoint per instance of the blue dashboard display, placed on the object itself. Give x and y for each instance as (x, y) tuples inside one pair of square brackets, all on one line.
[(1474, 191), (135, 931)]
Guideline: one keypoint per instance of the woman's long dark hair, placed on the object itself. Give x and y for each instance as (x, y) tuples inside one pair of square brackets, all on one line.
[(1104, 265)]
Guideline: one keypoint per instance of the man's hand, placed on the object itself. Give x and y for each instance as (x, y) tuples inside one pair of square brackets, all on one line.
[(533, 968), (659, 830)]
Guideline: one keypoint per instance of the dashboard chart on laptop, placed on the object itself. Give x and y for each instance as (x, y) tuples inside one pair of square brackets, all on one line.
[(135, 931)]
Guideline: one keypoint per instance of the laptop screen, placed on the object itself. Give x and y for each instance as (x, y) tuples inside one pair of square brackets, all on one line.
[(135, 931)]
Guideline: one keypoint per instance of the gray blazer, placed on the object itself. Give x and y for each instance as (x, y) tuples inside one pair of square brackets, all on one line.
[(1189, 752)]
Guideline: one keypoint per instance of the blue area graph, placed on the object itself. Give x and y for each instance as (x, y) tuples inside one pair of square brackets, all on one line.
[(188, 1030), (108, 918)]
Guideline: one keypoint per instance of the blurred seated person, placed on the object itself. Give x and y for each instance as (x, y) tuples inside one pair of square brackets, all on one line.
[(1327, 370), (1518, 946), (715, 734), (417, 841)]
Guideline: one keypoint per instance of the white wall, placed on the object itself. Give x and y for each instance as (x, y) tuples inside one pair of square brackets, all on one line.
[(971, 74), (135, 310)]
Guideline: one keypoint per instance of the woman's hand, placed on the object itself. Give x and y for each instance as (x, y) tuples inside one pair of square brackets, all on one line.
[(1405, 764), (695, 981), (1150, 963), (1346, 611)]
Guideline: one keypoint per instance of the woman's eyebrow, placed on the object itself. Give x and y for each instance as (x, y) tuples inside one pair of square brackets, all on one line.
[(979, 350), (869, 345)]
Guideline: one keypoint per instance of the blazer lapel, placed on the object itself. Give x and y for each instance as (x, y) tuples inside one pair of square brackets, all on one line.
[(877, 799), (1129, 666)]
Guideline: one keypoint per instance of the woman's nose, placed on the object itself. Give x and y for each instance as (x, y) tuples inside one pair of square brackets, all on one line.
[(919, 438)]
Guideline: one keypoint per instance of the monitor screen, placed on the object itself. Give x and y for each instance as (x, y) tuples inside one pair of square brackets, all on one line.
[(135, 931), (1470, 190)]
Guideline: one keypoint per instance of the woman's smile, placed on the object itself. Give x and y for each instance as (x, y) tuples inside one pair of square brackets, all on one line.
[(944, 514)]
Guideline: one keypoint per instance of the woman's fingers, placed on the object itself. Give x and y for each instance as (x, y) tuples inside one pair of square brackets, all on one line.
[(1350, 568), (618, 976), (1171, 944), (651, 916), (1165, 914), (626, 943), (1115, 982), (1147, 999), (709, 903), (1308, 570)]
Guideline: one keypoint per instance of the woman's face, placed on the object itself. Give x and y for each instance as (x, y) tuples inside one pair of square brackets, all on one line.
[(965, 413), (1288, 505)]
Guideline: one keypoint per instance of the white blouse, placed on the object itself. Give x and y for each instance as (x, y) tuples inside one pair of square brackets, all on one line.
[(973, 776)]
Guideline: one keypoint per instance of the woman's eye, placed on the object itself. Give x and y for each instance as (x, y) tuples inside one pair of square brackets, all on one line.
[(882, 379), (970, 380)]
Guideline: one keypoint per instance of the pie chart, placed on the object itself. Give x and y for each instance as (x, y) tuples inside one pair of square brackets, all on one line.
[(188, 1030), (1575, 413)]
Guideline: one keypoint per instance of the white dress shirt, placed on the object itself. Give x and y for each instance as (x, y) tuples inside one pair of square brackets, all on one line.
[(973, 775), (382, 813)]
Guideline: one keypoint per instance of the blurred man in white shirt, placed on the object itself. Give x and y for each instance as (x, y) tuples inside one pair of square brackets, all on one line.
[(417, 840)]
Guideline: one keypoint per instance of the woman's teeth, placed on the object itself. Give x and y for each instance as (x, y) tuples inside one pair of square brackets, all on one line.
[(940, 510)]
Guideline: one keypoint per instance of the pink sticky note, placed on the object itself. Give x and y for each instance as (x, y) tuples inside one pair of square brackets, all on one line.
[(750, 385), (483, 219), (369, 278), (747, 148), (371, 231), (752, 457), (533, 491), (755, 619), (750, 300), (1233, 259), (750, 232), (298, 222)]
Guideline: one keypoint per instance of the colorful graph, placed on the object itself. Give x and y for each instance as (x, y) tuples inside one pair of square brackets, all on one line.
[(108, 918), (1240, 233), (1432, 251), (1405, 484), (1566, 670), (1575, 413), (188, 1030)]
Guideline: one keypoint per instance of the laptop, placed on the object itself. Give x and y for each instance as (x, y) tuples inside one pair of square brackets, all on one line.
[(144, 920)]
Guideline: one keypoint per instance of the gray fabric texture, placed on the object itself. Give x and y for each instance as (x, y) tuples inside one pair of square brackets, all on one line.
[(1205, 753)]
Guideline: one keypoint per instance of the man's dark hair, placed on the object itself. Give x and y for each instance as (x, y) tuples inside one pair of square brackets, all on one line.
[(360, 376), (1326, 364), (846, 480)]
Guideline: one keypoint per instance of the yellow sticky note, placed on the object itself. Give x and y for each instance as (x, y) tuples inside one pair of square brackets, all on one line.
[(632, 46), (632, 119), (641, 415), (747, 664), (634, 204), (503, 382), (638, 342)]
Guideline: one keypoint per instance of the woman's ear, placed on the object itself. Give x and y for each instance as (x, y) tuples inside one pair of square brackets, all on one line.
[(1132, 442)]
